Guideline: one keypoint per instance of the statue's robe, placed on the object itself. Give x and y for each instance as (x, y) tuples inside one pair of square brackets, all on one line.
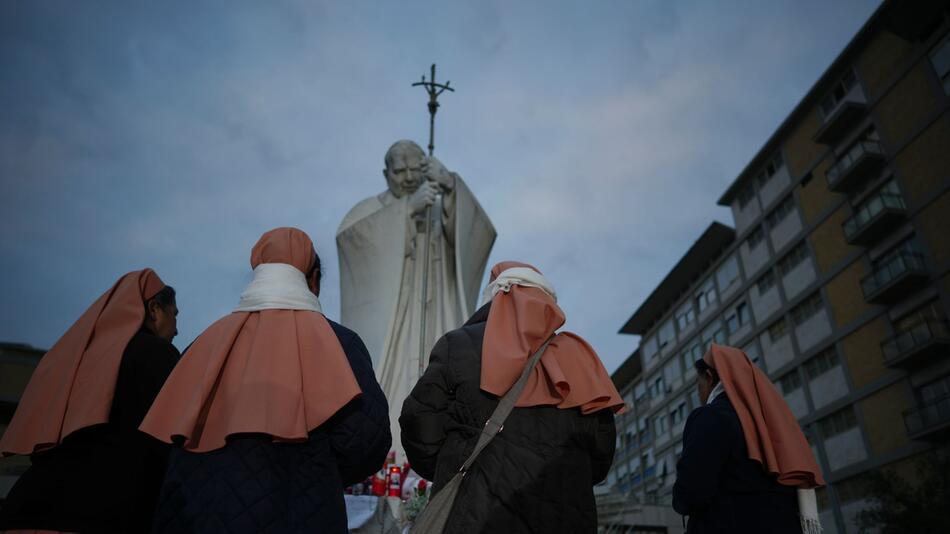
[(381, 251)]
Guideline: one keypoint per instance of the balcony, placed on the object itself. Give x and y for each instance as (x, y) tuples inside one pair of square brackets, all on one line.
[(918, 344), (929, 420), (840, 122), (874, 218), (893, 278), (859, 162)]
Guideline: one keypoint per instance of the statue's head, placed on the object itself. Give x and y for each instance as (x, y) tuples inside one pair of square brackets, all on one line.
[(403, 170)]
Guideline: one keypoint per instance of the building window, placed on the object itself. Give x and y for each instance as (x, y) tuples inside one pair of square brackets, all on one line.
[(766, 282), (685, 316), (644, 432), (657, 386), (793, 258), (756, 237), (825, 361), (630, 402), (666, 334), (790, 382), (838, 423), (752, 351), (678, 414), (777, 330), (647, 458), (660, 424), (737, 318), (672, 371), (706, 296), (837, 94), (934, 391), (746, 194), (692, 353), (629, 440), (807, 309), (712, 334), (770, 169), (781, 211), (649, 349), (940, 58), (640, 391), (728, 273)]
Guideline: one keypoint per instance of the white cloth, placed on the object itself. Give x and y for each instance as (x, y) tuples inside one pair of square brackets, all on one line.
[(278, 286), (359, 510), (717, 390), (517, 276), (808, 511)]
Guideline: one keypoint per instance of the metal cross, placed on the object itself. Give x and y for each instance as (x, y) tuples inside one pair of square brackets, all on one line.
[(434, 89)]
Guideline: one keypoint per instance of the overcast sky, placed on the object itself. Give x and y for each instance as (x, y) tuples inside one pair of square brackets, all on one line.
[(597, 135)]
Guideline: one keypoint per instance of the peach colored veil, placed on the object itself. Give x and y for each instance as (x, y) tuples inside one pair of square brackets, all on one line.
[(73, 385), (280, 372), (772, 434), (569, 374)]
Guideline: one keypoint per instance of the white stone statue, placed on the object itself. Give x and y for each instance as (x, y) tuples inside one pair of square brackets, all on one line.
[(381, 244)]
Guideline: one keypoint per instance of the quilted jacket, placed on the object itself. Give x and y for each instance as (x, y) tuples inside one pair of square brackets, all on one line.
[(256, 485), (537, 475)]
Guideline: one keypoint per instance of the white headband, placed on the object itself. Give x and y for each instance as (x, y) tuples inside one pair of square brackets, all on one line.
[(517, 276)]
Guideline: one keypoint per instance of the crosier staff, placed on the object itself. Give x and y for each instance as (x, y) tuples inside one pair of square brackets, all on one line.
[(434, 90)]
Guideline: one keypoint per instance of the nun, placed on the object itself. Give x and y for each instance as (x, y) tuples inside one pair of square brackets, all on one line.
[(273, 410), (746, 466), (91, 469), (538, 473)]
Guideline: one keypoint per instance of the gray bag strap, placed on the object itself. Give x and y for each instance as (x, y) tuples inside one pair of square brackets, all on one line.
[(496, 422)]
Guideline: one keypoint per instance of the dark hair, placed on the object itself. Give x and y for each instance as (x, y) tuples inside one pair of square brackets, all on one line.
[(164, 298), (701, 368), (317, 270)]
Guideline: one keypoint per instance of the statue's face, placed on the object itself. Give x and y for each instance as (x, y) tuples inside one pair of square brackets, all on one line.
[(404, 169)]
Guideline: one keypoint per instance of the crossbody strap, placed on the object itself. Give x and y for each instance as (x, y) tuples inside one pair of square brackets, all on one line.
[(497, 420)]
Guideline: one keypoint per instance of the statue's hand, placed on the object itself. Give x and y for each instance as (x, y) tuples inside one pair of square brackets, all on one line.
[(423, 197), (433, 170)]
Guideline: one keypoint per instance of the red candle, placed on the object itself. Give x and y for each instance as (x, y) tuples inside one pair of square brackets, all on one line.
[(395, 481)]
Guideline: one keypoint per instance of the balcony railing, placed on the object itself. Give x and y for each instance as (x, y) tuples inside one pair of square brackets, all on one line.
[(928, 419), (874, 218), (840, 121), (855, 165), (893, 276), (913, 345)]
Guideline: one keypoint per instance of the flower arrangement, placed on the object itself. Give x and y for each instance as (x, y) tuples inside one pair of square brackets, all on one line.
[(414, 505)]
